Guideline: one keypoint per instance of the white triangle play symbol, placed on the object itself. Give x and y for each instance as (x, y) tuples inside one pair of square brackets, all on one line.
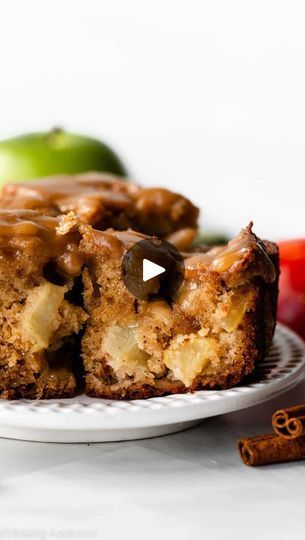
[(151, 269)]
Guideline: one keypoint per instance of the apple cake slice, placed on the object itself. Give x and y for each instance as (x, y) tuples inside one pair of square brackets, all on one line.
[(104, 201), (61, 288), (210, 334), (40, 314)]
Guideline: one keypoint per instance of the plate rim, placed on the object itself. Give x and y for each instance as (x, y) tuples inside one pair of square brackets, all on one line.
[(100, 414)]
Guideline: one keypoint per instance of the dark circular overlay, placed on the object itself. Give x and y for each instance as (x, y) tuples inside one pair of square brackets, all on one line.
[(159, 252)]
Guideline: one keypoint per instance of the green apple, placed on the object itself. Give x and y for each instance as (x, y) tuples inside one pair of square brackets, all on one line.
[(54, 152)]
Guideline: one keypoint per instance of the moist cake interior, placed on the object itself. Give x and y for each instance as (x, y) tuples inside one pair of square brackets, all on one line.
[(211, 334), (39, 322)]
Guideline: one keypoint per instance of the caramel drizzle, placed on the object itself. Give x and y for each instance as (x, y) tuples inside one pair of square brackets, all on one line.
[(90, 195), (21, 224), (222, 259), (71, 191), (26, 223), (22, 228)]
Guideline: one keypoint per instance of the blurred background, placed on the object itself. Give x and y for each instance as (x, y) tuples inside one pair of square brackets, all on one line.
[(206, 98)]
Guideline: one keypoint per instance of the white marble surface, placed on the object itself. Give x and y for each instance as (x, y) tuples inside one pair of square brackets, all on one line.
[(185, 486)]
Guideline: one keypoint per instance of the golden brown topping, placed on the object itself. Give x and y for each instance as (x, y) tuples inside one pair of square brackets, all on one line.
[(232, 253), (160, 200), (221, 258), (104, 201), (29, 230), (84, 194), (246, 250), (244, 257), (26, 222), (183, 238), (118, 241), (53, 187)]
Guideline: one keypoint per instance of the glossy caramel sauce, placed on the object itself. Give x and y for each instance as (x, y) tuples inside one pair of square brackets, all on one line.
[(220, 259), (224, 258), (148, 199), (29, 230), (88, 195), (70, 192), (16, 226), (116, 242), (96, 197), (26, 223)]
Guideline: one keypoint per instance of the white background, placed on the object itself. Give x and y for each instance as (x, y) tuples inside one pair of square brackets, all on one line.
[(204, 97)]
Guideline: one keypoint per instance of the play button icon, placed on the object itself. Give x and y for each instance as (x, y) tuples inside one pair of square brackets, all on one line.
[(152, 269)]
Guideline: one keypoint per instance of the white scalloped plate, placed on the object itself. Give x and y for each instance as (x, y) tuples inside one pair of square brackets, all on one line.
[(84, 419)]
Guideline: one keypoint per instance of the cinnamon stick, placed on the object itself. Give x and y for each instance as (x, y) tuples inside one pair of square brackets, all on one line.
[(289, 423), (271, 448)]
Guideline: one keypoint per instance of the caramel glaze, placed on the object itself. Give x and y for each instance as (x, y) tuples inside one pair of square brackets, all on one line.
[(245, 253), (104, 200), (58, 238), (28, 231), (116, 243)]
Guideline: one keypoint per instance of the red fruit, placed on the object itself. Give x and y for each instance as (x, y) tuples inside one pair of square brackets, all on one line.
[(291, 308)]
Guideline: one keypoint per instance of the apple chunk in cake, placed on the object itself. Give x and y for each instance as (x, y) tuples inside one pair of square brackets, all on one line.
[(210, 334), (39, 319)]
